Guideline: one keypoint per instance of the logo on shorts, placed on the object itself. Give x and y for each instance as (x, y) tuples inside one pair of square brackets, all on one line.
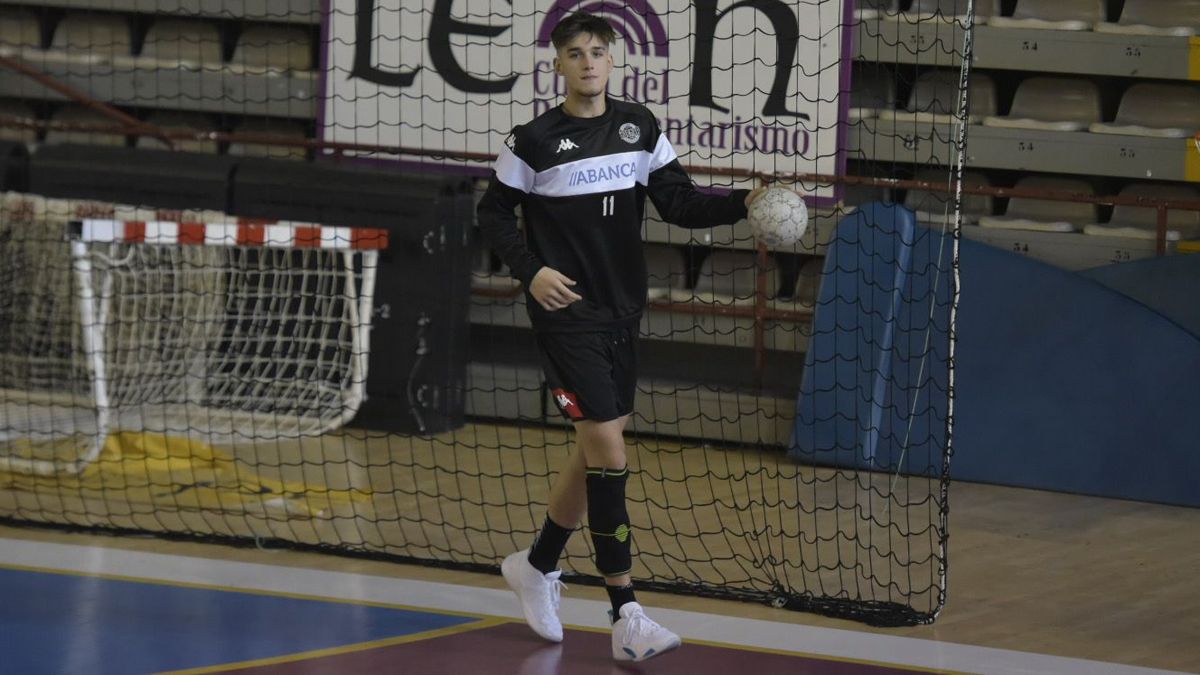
[(629, 132), (567, 403)]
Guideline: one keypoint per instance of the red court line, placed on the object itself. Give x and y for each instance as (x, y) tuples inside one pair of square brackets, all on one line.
[(512, 648)]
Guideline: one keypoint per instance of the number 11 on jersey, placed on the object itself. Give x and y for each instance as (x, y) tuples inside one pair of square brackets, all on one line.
[(607, 204)]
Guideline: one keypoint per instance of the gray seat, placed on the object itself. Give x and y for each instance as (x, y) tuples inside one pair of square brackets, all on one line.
[(1053, 15), (808, 286), (180, 121), (1156, 110), (872, 89), (1052, 103), (273, 48), (950, 10), (731, 277), (666, 272), (934, 208), (20, 29), (283, 128), (190, 43), (1156, 17), (1046, 215), (874, 9), (93, 34), (934, 99), (854, 196), (1141, 222), (935, 95)]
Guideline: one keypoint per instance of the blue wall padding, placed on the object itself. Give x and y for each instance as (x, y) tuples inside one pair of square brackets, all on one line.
[(865, 371), (1061, 383), (1169, 285)]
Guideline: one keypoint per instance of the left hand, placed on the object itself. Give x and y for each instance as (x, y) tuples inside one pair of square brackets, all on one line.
[(755, 194)]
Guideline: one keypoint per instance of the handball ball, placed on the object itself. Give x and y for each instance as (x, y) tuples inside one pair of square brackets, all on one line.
[(779, 217)]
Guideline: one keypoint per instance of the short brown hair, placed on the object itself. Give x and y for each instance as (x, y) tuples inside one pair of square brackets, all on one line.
[(579, 23)]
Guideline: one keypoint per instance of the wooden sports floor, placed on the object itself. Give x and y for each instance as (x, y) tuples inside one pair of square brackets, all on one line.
[(1038, 582)]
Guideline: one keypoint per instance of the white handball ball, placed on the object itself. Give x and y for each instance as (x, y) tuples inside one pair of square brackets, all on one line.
[(779, 217)]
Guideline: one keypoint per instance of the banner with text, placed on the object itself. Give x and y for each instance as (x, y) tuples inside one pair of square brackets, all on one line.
[(751, 85)]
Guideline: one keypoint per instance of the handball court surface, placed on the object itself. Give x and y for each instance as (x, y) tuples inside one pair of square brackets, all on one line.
[(1039, 583)]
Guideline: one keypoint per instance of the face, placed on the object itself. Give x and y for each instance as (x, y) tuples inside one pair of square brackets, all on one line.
[(585, 64)]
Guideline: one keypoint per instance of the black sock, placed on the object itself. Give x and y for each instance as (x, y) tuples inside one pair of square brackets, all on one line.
[(548, 546), (619, 595)]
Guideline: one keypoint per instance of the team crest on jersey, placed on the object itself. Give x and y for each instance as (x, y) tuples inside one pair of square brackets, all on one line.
[(629, 132), (566, 144)]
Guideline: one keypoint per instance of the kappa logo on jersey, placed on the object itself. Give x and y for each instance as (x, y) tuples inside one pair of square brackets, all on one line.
[(566, 144), (566, 401), (511, 141), (629, 132)]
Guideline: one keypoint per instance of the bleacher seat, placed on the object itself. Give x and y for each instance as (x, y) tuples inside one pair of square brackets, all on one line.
[(285, 128), (180, 121), (666, 272), (731, 277), (803, 295), (856, 195), (874, 9), (1046, 215), (1156, 17), (1156, 110), (16, 110), (1053, 15), (949, 10), (78, 114), (872, 88), (20, 29), (500, 280), (1141, 222), (188, 43), (92, 34), (933, 208), (273, 49), (1053, 104), (934, 99)]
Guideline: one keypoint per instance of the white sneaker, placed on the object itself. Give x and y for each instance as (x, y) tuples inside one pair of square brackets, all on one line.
[(538, 593), (637, 637)]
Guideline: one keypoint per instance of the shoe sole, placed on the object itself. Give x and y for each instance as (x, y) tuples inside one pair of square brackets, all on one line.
[(628, 658), (508, 571)]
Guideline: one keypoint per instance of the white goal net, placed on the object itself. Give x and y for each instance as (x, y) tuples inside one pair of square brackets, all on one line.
[(219, 330)]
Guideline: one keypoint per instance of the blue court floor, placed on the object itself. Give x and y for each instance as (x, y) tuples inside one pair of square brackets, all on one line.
[(81, 609)]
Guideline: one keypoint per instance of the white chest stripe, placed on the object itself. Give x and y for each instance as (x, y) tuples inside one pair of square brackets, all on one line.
[(513, 171), (606, 173), (664, 153), (590, 175)]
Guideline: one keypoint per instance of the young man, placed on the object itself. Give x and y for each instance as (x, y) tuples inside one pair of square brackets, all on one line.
[(581, 173)]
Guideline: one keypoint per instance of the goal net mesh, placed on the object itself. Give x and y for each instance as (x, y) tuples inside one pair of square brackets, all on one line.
[(211, 390)]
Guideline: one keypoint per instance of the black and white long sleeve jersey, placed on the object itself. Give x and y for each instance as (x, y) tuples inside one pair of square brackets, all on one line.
[(582, 184)]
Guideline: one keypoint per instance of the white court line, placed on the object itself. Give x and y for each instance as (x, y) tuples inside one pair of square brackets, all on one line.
[(831, 642)]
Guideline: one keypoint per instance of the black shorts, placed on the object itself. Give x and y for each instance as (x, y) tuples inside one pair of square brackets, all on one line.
[(592, 376)]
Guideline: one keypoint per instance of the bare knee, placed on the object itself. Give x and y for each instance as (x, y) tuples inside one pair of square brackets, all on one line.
[(603, 443)]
